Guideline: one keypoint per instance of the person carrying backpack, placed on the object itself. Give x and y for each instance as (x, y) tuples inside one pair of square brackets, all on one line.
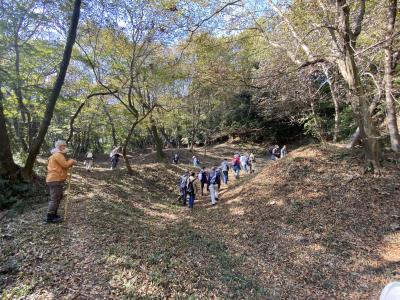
[(236, 165), (225, 170), (203, 178), (114, 155), (89, 161), (191, 189), (275, 153), (175, 160), (183, 181), (57, 170), (213, 185)]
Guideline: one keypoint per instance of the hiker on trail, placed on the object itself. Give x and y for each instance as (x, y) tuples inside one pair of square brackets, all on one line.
[(183, 182), (213, 185), (252, 161), (218, 169), (236, 165), (196, 162), (57, 170), (203, 178), (191, 189), (275, 153), (175, 160), (243, 162), (225, 170), (114, 155), (283, 151), (89, 161)]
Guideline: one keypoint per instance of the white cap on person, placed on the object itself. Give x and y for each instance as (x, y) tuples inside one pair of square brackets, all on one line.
[(59, 143), (391, 291)]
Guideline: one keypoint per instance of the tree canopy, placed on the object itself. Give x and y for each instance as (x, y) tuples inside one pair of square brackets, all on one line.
[(184, 73)]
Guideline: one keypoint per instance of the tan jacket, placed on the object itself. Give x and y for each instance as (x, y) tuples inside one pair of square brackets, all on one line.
[(57, 169)]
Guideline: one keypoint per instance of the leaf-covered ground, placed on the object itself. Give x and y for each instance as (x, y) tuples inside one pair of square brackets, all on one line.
[(311, 226)]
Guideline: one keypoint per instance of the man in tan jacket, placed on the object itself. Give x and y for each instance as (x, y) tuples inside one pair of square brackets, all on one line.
[(57, 172)]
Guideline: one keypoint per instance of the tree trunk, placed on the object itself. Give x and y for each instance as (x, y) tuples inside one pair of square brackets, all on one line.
[(37, 143), (390, 104), (350, 73), (355, 138), (8, 168), (333, 86), (25, 114), (125, 147), (156, 140)]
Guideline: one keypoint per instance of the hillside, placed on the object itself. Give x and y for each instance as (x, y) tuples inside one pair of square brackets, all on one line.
[(310, 226)]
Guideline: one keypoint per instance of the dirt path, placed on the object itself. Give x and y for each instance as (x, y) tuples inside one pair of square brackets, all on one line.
[(290, 229)]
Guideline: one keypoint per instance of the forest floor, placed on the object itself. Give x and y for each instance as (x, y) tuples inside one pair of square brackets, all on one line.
[(310, 226)]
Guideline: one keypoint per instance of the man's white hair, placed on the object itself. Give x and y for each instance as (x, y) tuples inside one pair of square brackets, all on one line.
[(59, 143)]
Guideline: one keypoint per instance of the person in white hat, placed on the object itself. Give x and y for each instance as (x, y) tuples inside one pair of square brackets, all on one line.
[(57, 170)]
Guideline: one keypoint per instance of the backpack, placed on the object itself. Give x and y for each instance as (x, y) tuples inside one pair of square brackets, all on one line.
[(236, 161), (202, 176), (183, 182), (215, 178), (190, 188)]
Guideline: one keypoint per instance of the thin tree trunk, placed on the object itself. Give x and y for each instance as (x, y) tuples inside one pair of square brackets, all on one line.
[(333, 86), (37, 143), (25, 114), (8, 167), (156, 140), (390, 104), (111, 121), (20, 135)]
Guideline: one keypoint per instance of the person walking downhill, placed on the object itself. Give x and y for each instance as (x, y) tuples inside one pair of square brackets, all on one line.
[(89, 161), (203, 178), (225, 171), (57, 172), (236, 165), (191, 189), (114, 155), (213, 185), (183, 181)]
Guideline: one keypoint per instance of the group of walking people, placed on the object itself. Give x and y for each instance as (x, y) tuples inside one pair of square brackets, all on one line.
[(276, 153), (210, 180)]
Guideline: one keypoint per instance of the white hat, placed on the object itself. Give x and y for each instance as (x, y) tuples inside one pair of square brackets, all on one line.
[(60, 143), (391, 291)]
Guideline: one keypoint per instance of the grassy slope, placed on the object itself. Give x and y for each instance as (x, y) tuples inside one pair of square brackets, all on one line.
[(307, 227)]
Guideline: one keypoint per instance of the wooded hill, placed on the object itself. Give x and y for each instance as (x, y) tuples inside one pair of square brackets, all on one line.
[(141, 74)]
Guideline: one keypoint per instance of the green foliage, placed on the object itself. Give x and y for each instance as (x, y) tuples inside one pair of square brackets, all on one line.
[(14, 194), (347, 122)]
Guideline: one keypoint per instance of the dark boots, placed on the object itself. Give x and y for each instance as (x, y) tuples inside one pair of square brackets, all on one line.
[(53, 218)]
